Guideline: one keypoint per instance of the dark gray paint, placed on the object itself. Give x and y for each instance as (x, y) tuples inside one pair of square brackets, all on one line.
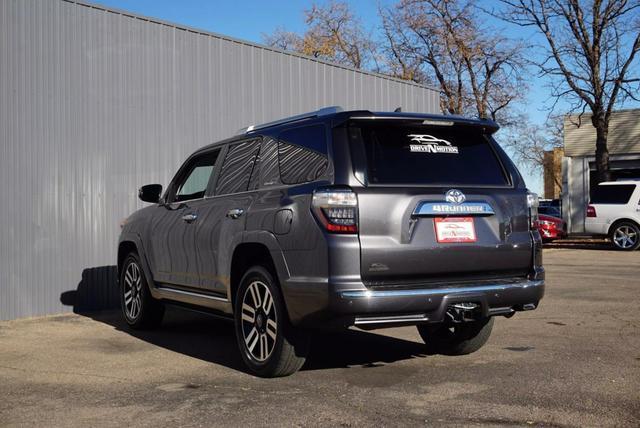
[(391, 268)]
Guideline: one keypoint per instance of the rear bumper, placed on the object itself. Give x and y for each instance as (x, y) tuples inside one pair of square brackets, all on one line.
[(430, 305), (372, 308)]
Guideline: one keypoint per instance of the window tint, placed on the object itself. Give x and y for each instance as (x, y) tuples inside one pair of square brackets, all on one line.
[(193, 183), (266, 173), (411, 154), (302, 154), (612, 194), (237, 167)]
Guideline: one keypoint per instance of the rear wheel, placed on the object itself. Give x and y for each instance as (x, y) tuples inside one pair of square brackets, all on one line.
[(140, 310), (269, 345), (625, 236), (456, 339)]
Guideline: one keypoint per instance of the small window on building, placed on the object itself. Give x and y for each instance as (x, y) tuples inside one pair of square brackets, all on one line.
[(237, 167), (193, 183), (302, 154), (615, 194)]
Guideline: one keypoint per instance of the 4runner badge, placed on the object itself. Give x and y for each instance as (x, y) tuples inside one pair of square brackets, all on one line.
[(431, 144)]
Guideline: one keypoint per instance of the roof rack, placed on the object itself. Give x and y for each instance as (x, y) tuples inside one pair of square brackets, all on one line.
[(322, 112)]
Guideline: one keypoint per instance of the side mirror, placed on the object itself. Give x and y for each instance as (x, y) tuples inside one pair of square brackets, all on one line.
[(150, 193)]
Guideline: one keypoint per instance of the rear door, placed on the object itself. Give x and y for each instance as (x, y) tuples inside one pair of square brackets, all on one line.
[(437, 205), (222, 218)]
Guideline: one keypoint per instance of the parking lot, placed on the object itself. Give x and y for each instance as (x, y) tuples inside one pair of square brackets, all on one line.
[(573, 362)]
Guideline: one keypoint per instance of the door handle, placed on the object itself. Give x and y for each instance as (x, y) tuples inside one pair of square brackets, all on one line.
[(235, 213), (189, 218)]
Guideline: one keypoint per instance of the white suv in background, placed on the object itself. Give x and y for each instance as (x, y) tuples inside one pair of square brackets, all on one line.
[(615, 211)]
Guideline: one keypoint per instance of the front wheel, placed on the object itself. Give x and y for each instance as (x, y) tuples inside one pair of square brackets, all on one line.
[(139, 308), (269, 345), (456, 339), (626, 236)]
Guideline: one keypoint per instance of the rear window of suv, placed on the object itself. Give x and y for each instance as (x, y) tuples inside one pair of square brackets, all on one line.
[(616, 194), (426, 155)]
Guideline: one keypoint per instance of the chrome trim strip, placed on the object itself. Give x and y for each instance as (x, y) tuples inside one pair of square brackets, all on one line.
[(387, 320), (366, 294), (189, 293)]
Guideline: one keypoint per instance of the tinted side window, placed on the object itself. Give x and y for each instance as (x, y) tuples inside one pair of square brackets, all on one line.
[(193, 182), (612, 194), (237, 167), (302, 154), (266, 173)]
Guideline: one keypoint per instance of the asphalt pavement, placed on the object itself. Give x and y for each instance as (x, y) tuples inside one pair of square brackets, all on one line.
[(575, 361)]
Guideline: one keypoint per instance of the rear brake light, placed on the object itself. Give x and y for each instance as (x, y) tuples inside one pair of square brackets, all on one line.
[(336, 209), (591, 211), (533, 203)]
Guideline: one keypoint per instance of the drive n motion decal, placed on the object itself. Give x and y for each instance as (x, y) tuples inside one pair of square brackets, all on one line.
[(430, 144)]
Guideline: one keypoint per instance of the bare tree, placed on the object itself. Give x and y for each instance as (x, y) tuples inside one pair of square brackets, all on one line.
[(333, 33), (529, 142), (590, 51), (283, 39), (446, 42)]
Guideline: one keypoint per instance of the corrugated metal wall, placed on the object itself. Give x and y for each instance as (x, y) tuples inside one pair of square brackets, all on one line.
[(623, 138), (95, 103)]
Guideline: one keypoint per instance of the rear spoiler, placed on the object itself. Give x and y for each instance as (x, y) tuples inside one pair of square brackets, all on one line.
[(487, 125)]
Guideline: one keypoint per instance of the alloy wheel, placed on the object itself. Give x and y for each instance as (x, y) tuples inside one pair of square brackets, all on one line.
[(625, 237), (259, 321), (132, 291)]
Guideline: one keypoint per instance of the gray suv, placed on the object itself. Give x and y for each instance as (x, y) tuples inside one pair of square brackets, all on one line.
[(335, 219)]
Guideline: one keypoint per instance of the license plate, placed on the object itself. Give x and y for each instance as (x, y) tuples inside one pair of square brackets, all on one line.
[(455, 229)]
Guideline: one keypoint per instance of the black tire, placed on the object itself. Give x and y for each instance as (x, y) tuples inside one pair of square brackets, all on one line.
[(625, 236), (269, 345), (456, 339), (139, 308)]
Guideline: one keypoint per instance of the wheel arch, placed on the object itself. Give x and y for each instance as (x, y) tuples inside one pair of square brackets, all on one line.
[(621, 220), (125, 248), (245, 255), (131, 243)]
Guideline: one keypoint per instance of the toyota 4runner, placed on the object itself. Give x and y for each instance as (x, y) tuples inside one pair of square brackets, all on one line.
[(335, 219)]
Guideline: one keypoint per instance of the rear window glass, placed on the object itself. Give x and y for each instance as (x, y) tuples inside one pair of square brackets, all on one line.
[(552, 211), (410, 154), (612, 194)]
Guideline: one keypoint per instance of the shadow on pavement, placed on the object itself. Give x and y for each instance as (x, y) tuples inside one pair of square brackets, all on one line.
[(211, 339)]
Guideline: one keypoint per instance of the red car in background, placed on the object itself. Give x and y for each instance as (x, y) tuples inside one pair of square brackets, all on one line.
[(551, 227)]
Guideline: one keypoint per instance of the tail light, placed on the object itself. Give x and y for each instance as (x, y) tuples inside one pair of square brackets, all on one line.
[(547, 224), (533, 203), (591, 211), (336, 209)]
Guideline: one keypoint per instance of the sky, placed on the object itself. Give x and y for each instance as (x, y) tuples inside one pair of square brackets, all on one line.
[(251, 19)]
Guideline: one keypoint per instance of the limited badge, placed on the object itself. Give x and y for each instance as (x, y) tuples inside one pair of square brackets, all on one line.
[(430, 144)]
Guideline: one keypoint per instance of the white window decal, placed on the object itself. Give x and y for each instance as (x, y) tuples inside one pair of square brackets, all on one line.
[(430, 144)]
